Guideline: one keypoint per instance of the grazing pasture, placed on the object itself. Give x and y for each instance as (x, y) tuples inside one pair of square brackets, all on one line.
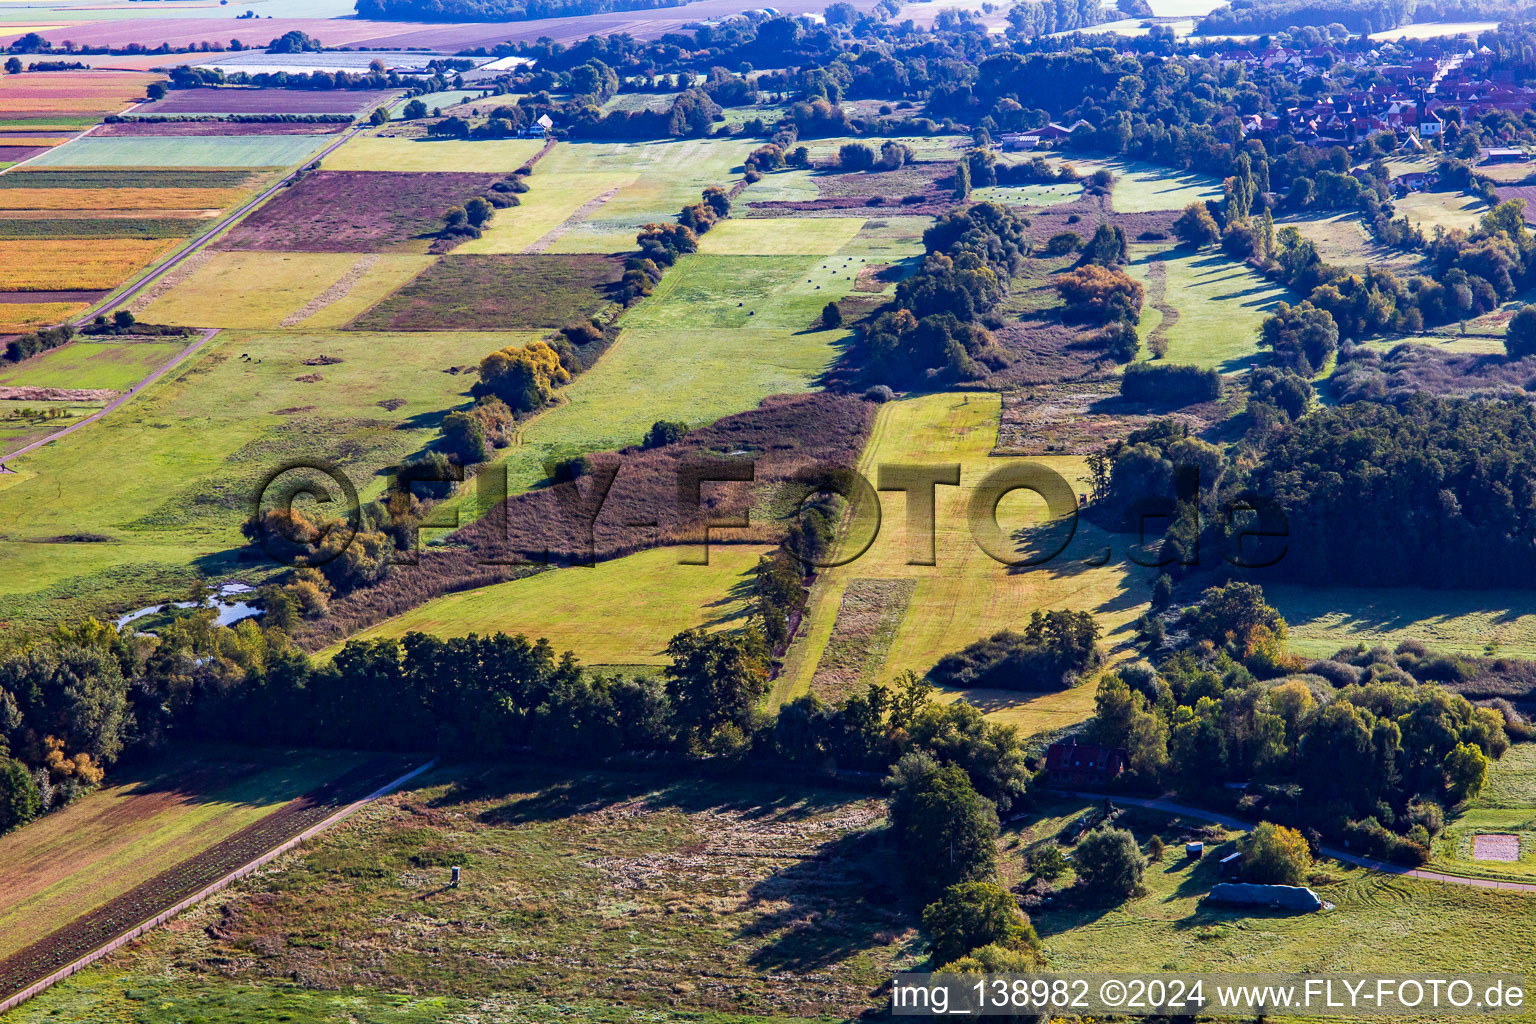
[(376, 153), (619, 612), (498, 293), (88, 363), (356, 211), (1378, 924), (84, 855), (1324, 619), (189, 451), (280, 289), (60, 263), (616, 887), (790, 236), (268, 101), (1029, 195), (967, 595), (1207, 306), (785, 292), (173, 151), (1506, 808)]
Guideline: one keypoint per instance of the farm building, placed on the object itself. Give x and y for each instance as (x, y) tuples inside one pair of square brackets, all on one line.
[(1084, 764)]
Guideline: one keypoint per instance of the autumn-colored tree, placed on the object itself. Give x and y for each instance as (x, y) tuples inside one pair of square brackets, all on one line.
[(524, 377)]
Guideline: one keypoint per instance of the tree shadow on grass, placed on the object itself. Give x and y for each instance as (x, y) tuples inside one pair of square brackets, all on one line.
[(828, 907)]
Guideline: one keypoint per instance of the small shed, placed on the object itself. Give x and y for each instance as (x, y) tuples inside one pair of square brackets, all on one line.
[(1194, 851), (1230, 864)]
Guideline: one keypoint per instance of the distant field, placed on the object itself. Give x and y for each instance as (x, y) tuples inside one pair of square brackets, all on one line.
[(587, 898), (82, 856), (780, 237), (1324, 619), (85, 363), (143, 179), (58, 224), (58, 263), (268, 101), (183, 151), (463, 293), (1434, 29), (1028, 195), (620, 612), (39, 93), (27, 316), (373, 153), (1208, 307), (189, 452), (1429, 210), (1378, 924), (968, 595), (1146, 188), (270, 289)]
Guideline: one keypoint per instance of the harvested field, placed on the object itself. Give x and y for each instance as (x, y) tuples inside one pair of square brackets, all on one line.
[(51, 263), (512, 292), (222, 291), (376, 153), (357, 211), (17, 317), (268, 101), (67, 199), (549, 204), (912, 179), (148, 819), (39, 178), (639, 512), (143, 901), (151, 129), (610, 887), (49, 224), (40, 93), (173, 151)]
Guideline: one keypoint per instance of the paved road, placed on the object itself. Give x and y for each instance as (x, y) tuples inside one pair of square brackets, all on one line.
[(1168, 807), (117, 402)]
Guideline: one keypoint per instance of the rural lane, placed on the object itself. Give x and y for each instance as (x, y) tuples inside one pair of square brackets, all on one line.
[(1168, 807), (115, 403)]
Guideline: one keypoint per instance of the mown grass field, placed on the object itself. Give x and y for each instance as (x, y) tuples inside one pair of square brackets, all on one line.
[(550, 201), (799, 236), (1324, 619), (968, 595), (1379, 924), (1216, 304), (1342, 239), (583, 889), (256, 290), (111, 840), (1146, 188), (1430, 210), (183, 151), (1029, 195), (1507, 806), (64, 263), (86, 363), (188, 453), (374, 153), (620, 612)]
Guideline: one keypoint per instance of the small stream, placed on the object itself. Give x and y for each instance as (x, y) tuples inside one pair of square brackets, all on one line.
[(227, 600)]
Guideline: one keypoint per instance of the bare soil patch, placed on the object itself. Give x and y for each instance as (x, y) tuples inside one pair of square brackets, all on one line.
[(1496, 847)]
